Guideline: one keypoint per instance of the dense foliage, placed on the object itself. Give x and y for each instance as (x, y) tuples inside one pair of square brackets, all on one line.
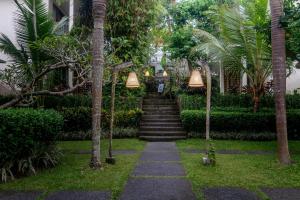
[(73, 101), (27, 141), (291, 22), (80, 118), (194, 102), (238, 121)]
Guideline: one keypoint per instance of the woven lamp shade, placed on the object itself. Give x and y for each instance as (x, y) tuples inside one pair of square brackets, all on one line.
[(196, 79), (132, 81), (165, 74), (147, 73)]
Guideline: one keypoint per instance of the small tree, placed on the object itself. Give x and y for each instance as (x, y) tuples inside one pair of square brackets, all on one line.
[(239, 39)]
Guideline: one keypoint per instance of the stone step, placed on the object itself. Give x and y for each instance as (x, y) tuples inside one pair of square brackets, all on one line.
[(160, 117), (162, 138), (160, 133), (161, 128), (161, 112), (162, 107), (158, 102), (162, 120), (155, 96), (159, 123)]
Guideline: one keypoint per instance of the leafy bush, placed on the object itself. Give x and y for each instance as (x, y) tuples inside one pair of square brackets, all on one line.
[(87, 135), (80, 119), (27, 141), (239, 121), (77, 119), (196, 102), (260, 136), (129, 118), (72, 101)]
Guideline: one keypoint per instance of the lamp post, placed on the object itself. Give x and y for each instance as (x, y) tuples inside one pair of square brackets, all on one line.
[(110, 159), (197, 82)]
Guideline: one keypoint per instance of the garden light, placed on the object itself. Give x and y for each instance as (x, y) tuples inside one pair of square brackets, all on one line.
[(132, 81), (165, 74), (196, 79), (147, 73)]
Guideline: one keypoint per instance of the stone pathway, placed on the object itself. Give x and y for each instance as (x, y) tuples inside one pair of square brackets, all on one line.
[(159, 175), (228, 193)]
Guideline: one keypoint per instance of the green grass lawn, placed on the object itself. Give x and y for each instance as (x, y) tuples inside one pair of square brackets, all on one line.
[(74, 173), (252, 172)]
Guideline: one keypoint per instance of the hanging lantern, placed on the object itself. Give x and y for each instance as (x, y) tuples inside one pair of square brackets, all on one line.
[(132, 81), (147, 73), (196, 79), (165, 74)]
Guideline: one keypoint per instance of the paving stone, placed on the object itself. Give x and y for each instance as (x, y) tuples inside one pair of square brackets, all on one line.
[(161, 146), (282, 193), (13, 195), (77, 195), (160, 156), (158, 189), (159, 169), (227, 193)]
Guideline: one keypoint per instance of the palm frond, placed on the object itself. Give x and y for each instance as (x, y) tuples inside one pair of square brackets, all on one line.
[(8, 47)]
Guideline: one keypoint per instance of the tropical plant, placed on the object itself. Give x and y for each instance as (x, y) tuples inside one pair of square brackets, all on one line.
[(291, 23), (68, 52), (279, 76), (241, 40), (32, 23)]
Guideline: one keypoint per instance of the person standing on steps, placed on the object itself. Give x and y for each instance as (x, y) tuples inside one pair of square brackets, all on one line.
[(161, 87)]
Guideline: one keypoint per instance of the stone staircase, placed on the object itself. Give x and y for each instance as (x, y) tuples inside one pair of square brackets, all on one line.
[(161, 120)]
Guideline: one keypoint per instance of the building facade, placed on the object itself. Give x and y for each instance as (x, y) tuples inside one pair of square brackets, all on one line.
[(56, 9)]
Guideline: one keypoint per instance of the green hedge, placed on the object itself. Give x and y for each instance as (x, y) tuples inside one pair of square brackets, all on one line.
[(72, 101), (80, 118), (27, 140), (87, 135), (195, 102), (239, 121)]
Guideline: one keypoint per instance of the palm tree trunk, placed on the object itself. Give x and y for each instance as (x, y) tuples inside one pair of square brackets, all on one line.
[(99, 11), (279, 75)]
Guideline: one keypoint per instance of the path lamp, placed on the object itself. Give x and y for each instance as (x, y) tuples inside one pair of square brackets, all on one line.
[(197, 82), (165, 74), (147, 73), (131, 83)]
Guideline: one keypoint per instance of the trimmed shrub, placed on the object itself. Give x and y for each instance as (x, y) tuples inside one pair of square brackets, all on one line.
[(239, 121), (27, 140), (79, 120), (74, 101), (261, 136), (130, 118), (196, 102), (87, 135)]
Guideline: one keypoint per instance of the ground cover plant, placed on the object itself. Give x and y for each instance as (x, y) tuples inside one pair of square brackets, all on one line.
[(252, 172), (74, 174)]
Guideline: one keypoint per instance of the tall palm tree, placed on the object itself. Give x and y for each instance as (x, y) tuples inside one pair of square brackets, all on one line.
[(239, 40), (279, 76), (99, 12)]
